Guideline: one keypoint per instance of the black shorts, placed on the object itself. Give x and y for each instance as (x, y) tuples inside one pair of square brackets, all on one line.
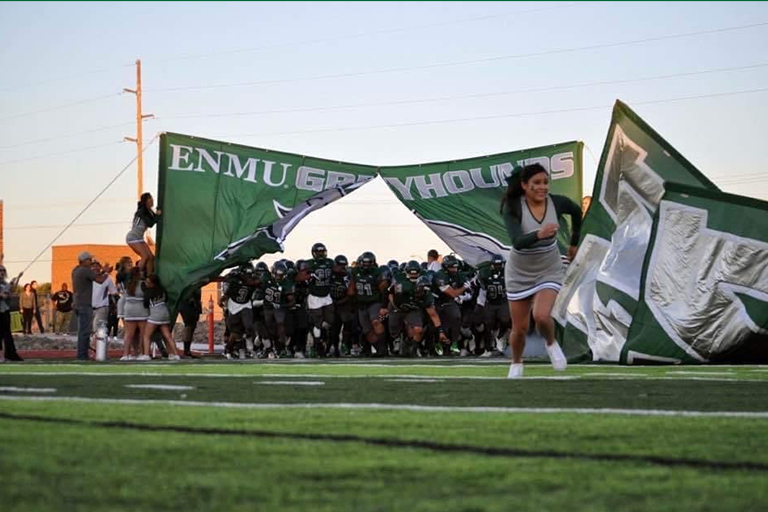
[(240, 323)]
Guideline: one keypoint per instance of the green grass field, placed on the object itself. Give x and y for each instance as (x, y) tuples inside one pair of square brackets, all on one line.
[(435, 435)]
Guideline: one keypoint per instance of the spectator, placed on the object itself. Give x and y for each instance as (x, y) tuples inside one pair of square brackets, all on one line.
[(432, 261), (27, 307), (38, 316), (100, 297), (83, 277), (6, 337), (62, 299)]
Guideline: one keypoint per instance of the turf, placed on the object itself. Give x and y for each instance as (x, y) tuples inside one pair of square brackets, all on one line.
[(61, 455)]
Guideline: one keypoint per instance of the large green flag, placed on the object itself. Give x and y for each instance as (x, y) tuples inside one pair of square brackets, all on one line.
[(602, 286), (459, 200), (224, 204), (704, 293)]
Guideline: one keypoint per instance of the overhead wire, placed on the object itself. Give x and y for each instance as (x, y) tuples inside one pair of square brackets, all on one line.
[(62, 106), (101, 193), (495, 58), (68, 135), (50, 155), (491, 117), (466, 96), (356, 35)]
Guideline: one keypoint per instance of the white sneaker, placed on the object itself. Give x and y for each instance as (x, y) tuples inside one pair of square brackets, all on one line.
[(515, 371), (316, 333), (131, 357), (125, 358), (228, 355), (556, 356), (299, 355), (143, 357), (464, 353), (487, 353), (174, 357)]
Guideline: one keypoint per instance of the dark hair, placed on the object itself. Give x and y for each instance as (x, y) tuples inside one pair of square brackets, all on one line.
[(143, 200), (516, 180), (432, 254), (27, 285), (155, 280), (135, 273)]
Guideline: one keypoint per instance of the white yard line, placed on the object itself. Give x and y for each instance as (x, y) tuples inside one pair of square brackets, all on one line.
[(167, 387), (401, 407), (15, 389), (290, 382), (415, 380), (702, 373)]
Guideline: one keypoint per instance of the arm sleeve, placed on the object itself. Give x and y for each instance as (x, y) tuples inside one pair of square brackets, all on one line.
[(515, 231), (565, 206), (149, 218)]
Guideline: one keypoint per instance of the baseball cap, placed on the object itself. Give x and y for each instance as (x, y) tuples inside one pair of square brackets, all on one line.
[(85, 255)]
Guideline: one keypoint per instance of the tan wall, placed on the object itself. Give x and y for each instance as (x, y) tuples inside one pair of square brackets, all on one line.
[(64, 259)]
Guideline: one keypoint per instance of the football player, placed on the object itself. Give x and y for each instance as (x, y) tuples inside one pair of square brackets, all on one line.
[(317, 274), (261, 273), (278, 299), (448, 285), (410, 298), (342, 292), (492, 302), (237, 290), (370, 293)]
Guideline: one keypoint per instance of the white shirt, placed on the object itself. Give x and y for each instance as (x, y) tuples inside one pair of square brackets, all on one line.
[(101, 293), (435, 266)]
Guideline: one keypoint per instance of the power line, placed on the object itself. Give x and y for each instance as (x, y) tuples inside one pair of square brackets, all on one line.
[(66, 77), (68, 135), (52, 226), (63, 106), (363, 34), (466, 96), (119, 174), (465, 62), (49, 155), (497, 116)]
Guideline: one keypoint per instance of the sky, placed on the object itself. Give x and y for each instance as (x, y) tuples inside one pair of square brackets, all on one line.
[(378, 83)]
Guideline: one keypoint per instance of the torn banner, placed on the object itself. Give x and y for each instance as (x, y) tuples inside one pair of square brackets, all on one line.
[(615, 305), (459, 200), (224, 203)]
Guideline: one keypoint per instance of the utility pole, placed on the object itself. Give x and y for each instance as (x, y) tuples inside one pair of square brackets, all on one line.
[(139, 134)]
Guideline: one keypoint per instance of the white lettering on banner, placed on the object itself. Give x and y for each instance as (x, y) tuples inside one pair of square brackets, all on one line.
[(339, 179), (268, 173), (435, 185), (464, 182), (403, 188), (215, 165), (249, 167), (561, 166), (310, 178), (178, 158), (477, 178), (541, 160)]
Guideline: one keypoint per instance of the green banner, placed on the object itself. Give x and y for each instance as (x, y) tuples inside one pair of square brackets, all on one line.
[(602, 287), (459, 200), (704, 296), (224, 204)]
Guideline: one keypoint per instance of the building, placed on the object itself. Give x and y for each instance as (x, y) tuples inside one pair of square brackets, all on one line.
[(64, 260)]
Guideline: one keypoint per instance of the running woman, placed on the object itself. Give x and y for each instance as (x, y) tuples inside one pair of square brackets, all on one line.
[(534, 271)]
